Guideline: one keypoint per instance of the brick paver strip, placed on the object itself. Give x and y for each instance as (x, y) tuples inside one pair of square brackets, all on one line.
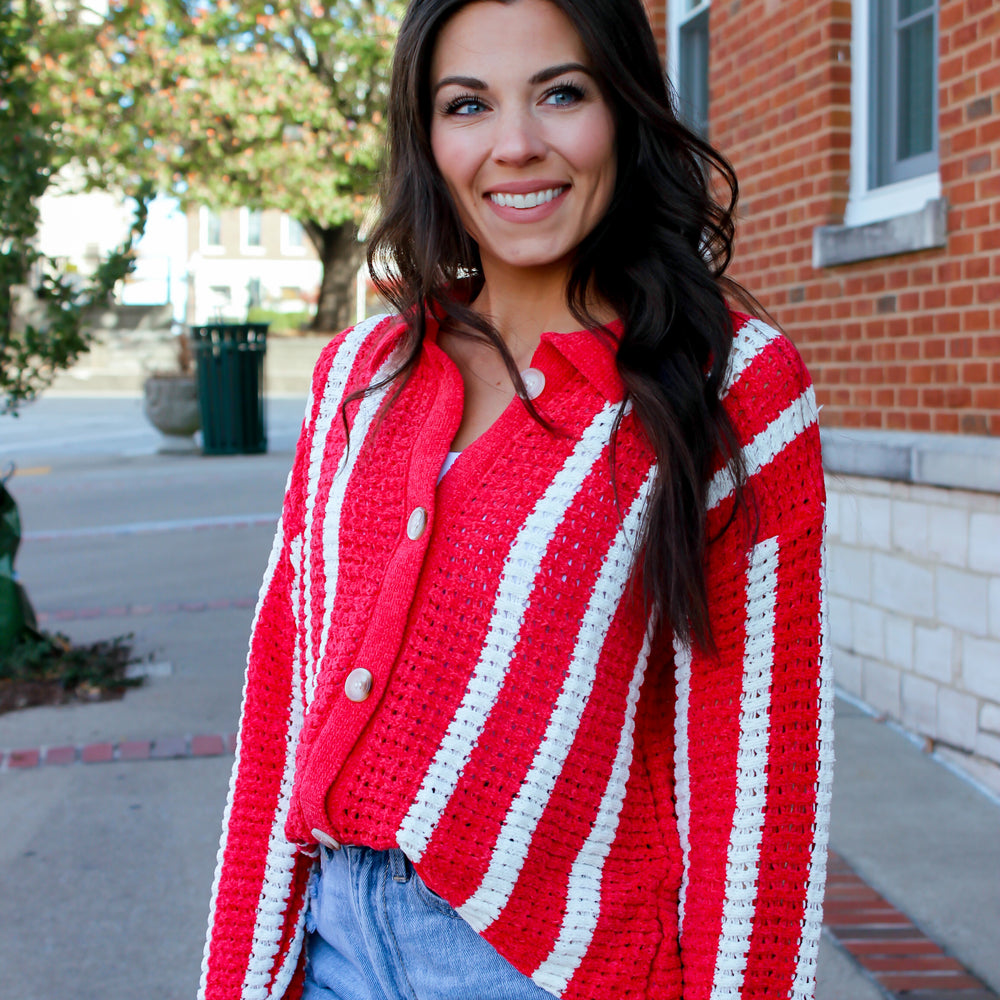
[(134, 750), (97, 753), (210, 745), (170, 746), (23, 758), (882, 940), (60, 755), (908, 983)]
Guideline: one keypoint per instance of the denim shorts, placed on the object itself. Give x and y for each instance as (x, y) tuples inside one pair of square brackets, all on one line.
[(376, 932)]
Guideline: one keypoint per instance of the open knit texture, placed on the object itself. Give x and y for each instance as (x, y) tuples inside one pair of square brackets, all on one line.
[(618, 817)]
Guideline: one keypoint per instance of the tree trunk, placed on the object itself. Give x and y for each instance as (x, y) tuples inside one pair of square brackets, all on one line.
[(341, 255)]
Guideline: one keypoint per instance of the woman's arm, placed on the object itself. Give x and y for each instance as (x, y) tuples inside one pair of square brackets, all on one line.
[(754, 740), (256, 919)]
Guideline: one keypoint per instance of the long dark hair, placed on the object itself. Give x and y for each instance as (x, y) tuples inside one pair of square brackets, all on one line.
[(657, 258)]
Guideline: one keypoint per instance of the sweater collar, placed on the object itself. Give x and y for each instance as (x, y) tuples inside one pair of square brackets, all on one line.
[(589, 352)]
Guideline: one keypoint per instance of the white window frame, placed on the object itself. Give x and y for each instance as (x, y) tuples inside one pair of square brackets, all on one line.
[(209, 248), (676, 17), (245, 233), (287, 249), (864, 203)]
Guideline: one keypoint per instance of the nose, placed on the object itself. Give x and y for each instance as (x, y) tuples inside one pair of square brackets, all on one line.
[(518, 139)]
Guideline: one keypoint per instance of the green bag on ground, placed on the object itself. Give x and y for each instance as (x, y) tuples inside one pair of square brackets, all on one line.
[(16, 614)]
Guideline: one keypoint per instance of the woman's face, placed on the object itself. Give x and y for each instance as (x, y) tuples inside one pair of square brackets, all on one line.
[(520, 131)]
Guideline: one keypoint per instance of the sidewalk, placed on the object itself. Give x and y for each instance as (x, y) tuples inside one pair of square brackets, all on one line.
[(110, 813)]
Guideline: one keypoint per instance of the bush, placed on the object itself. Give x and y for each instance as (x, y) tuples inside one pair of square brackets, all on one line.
[(293, 322), (44, 669)]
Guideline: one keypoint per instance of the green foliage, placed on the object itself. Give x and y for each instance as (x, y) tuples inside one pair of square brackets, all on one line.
[(292, 321), (52, 660), (268, 104), (42, 312)]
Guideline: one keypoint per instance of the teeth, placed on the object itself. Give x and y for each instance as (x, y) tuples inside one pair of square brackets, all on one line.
[(532, 200)]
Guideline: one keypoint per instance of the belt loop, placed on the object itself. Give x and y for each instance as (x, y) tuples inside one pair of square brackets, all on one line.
[(398, 865)]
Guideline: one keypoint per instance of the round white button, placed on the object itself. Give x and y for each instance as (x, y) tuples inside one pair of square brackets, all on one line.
[(358, 685), (322, 837), (534, 382), (416, 524)]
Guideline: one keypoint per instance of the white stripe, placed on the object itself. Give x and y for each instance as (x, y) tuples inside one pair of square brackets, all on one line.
[(748, 343), (513, 592), (290, 964), (767, 445), (272, 564), (511, 848), (682, 772), (743, 858), (804, 984), (280, 860), (329, 410), (583, 897)]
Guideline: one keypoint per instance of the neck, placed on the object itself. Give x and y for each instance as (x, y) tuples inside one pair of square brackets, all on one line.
[(522, 303)]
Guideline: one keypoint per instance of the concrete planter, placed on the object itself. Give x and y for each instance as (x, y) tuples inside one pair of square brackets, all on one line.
[(171, 404)]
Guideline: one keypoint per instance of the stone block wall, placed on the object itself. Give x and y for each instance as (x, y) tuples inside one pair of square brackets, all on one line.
[(914, 604)]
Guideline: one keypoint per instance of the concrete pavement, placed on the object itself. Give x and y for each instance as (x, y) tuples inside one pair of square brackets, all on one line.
[(105, 868)]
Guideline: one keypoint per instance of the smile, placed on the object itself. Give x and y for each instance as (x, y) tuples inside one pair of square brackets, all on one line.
[(530, 200)]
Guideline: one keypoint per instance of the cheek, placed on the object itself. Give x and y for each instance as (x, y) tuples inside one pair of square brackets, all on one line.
[(451, 156)]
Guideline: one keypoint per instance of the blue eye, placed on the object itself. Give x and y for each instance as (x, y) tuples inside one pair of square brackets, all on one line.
[(466, 104), (564, 94)]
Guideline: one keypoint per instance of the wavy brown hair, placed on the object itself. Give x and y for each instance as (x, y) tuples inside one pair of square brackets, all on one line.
[(657, 257)]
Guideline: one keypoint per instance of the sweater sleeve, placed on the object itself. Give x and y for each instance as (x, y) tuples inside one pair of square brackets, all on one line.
[(754, 742), (254, 949)]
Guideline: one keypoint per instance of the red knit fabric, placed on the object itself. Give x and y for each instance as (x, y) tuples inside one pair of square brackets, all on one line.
[(618, 818)]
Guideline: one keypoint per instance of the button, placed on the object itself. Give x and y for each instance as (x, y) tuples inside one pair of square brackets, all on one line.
[(534, 382), (326, 840), (416, 524), (358, 685)]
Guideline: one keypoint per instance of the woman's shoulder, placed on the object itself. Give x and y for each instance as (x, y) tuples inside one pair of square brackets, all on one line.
[(360, 349), (769, 398), (763, 361)]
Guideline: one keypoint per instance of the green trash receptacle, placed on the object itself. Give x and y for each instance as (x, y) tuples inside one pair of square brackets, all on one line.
[(230, 363)]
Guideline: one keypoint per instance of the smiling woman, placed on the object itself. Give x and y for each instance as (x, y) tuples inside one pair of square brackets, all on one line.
[(535, 700)]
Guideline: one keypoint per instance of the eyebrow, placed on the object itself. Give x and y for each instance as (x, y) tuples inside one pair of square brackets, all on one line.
[(542, 76)]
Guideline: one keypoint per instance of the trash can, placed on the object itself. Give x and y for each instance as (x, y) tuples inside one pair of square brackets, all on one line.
[(230, 363)]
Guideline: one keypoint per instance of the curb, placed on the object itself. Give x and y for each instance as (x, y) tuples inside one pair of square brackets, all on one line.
[(165, 748)]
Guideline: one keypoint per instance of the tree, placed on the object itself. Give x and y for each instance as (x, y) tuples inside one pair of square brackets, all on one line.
[(43, 313), (265, 104)]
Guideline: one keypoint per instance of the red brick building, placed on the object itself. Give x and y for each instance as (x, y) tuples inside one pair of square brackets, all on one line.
[(866, 136)]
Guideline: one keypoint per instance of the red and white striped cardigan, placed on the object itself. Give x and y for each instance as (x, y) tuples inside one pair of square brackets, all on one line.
[(619, 818)]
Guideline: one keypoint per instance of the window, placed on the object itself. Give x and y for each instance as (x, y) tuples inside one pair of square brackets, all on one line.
[(688, 22), (253, 227), (211, 229), (894, 108), (254, 296), (293, 236), (903, 77)]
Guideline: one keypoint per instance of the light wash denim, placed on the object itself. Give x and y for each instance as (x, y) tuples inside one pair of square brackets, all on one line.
[(376, 932)]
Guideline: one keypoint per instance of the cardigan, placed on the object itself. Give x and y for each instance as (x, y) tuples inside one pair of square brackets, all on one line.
[(465, 670)]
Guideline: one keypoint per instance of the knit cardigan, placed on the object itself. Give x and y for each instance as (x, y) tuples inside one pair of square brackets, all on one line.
[(620, 817)]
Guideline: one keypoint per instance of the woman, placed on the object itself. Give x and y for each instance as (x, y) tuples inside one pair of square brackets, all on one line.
[(535, 701)]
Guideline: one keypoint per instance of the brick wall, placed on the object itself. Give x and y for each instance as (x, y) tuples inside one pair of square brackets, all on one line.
[(910, 342)]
